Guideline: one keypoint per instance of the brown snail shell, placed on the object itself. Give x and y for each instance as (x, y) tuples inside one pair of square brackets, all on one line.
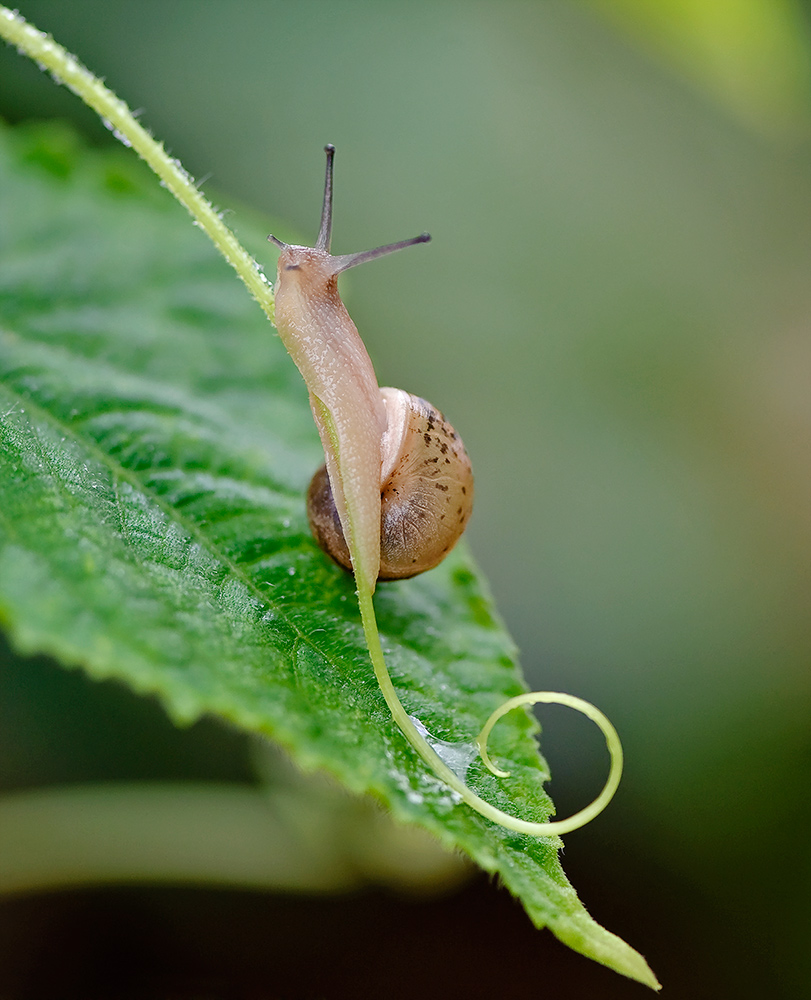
[(426, 491)]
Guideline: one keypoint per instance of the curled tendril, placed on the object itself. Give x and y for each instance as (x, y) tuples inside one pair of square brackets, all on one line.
[(452, 780), (612, 741)]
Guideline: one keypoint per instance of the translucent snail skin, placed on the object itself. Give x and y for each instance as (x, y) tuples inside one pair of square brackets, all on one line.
[(396, 490)]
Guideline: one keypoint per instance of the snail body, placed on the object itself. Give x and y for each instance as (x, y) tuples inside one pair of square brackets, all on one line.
[(396, 490)]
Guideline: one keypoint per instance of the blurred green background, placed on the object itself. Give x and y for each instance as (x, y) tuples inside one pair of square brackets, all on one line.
[(615, 313)]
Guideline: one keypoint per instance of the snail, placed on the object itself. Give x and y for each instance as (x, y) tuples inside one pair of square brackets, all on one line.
[(418, 461), (395, 491)]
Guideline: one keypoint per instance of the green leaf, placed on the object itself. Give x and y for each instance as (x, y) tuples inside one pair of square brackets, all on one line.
[(155, 445)]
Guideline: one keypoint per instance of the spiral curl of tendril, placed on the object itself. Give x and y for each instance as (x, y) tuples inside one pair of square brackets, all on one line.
[(452, 780)]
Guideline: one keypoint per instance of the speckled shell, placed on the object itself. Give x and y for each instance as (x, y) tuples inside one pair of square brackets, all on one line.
[(426, 491)]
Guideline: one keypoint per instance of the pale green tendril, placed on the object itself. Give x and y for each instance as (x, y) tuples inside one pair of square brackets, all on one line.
[(452, 780), (115, 114)]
